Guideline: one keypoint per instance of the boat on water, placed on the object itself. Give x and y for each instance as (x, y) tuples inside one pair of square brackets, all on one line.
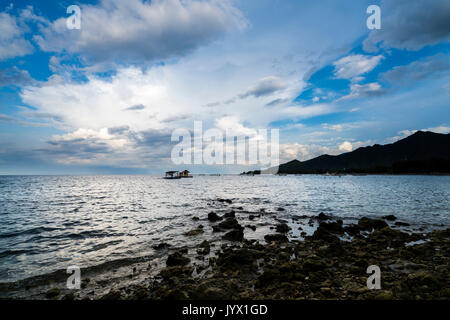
[(177, 175)]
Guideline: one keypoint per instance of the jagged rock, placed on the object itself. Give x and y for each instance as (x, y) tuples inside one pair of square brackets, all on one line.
[(234, 235), (213, 217), (282, 228), (230, 223), (238, 259), (402, 224), (177, 259), (323, 216), (230, 214), (389, 217), (204, 248), (369, 224), (281, 209)]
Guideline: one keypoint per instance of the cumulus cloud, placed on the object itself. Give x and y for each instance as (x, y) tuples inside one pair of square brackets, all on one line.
[(136, 31), (303, 152), (354, 65), (346, 146), (411, 25), (418, 70), (12, 41)]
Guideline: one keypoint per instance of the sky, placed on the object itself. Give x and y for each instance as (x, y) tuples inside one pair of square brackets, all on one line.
[(107, 97)]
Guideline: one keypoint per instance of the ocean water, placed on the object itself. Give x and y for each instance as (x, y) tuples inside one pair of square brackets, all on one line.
[(48, 223)]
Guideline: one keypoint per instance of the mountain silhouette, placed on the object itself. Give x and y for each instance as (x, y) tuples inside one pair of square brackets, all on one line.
[(419, 153)]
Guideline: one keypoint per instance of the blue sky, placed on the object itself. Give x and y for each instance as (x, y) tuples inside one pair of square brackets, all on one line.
[(106, 98)]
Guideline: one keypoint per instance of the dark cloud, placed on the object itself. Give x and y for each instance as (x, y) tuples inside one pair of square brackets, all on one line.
[(265, 87), (135, 107), (418, 70), (137, 31), (411, 25), (15, 77), (175, 118), (276, 102), (118, 130)]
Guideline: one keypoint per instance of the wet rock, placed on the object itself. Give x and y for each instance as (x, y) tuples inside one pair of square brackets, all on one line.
[(389, 217), (204, 248), (405, 267), (352, 229), (402, 224), (384, 295), (175, 272), (234, 235), (215, 294), (69, 296), (421, 279), (112, 295), (194, 232), (251, 227), (213, 217), (326, 231), (323, 216), (275, 238), (313, 264), (230, 214), (237, 259), (177, 259), (369, 224), (281, 209), (161, 246), (195, 218), (176, 294), (230, 223), (52, 293), (282, 228)]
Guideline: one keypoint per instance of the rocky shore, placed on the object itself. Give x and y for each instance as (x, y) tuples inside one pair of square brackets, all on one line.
[(329, 264), (413, 266)]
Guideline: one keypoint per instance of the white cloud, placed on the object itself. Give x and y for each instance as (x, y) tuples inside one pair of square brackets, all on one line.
[(12, 42), (141, 31), (346, 146), (355, 65), (363, 90)]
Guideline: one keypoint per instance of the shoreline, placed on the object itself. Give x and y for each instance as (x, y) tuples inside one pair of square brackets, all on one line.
[(329, 264)]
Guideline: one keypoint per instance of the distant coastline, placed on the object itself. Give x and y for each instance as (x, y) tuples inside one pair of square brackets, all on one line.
[(422, 153)]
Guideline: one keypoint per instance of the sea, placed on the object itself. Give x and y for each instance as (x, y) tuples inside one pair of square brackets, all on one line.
[(48, 223)]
